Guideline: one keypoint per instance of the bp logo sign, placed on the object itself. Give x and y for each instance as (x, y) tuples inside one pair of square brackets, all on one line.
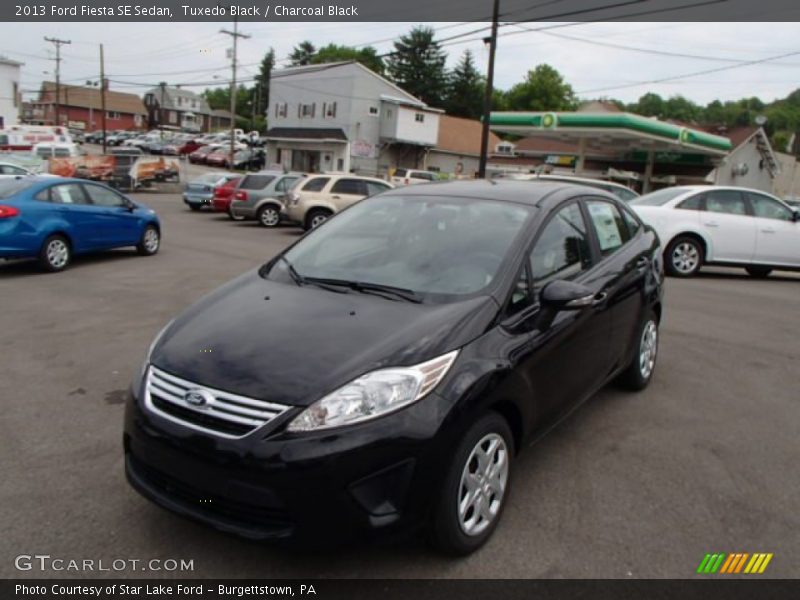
[(549, 120), (684, 136)]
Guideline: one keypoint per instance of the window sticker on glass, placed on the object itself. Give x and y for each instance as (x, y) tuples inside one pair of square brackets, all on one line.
[(605, 223)]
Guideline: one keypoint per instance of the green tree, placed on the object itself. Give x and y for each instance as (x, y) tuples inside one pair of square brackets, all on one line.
[(543, 89), (649, 105), (261, 87), (418, 66), (302, 54), (220, 99), (367, 56), (465, 90)]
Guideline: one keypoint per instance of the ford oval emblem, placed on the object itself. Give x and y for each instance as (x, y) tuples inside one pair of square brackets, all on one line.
[(198, 398)]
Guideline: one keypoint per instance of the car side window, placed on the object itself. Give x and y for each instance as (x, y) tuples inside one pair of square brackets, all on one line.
[(633, 223), (355, 187), (375, 188), (12, 170), (68, 193), (612, 231), (562, 250), (725, 201), (286, 184), (101, 196), (693, 203), (768, 208), (316, 185)]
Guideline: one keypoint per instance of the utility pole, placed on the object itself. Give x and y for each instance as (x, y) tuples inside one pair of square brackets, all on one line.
[(235, 35), (487, 98), (58, 43), (103, 96)]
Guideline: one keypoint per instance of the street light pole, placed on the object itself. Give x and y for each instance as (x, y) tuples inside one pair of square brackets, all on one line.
[(235, 35), (487, 97)]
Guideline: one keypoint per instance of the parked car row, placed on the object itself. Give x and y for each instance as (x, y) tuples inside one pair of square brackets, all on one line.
[(272, 197)]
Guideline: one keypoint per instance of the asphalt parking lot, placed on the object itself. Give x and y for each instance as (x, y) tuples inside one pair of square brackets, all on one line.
[(705, 460)]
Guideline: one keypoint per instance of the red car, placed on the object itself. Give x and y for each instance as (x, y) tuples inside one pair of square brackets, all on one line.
[(189, 147), (218, 158), (199, 156), (223, 195)]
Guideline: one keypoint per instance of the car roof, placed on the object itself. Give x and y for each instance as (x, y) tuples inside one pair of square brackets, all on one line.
[(519, 192), (578, 180)]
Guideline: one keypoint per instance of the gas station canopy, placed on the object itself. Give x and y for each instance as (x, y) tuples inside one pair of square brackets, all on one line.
[(616, 133), (610, 132)]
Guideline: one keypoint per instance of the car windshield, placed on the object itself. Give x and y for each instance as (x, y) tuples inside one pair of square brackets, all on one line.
[(659, 198), (10, 186), (437, 247)]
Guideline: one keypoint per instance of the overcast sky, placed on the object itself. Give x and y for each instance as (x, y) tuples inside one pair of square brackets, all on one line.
[(187, 53)]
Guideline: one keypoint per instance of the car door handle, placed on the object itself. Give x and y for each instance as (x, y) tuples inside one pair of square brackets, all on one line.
[(642, 262), (711, 224), (336, 197), (769, 230), (599, 298)]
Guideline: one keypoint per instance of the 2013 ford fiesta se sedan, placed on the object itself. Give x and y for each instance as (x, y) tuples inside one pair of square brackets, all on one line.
[(381, 374)]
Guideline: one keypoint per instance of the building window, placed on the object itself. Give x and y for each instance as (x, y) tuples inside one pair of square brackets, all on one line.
[(329, 110), (281, 109), (16, 95), (307, 110), (173, 116), (504, 148), (373, 111), (419, 117), (114, 116)]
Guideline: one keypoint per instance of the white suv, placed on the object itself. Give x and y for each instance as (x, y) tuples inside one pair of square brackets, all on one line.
[(315, 198), (412, 176)]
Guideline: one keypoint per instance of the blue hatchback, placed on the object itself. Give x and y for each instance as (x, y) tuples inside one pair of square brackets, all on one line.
[(53, 218)]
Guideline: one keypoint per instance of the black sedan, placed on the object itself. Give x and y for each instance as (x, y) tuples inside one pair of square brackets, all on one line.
[(381, 374)]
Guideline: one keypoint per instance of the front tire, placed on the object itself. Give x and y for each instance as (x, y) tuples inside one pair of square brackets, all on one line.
[(758, 272), (317, 217), (268, 216), (639, 372), (56, 254), (150, 242), (684, 256), (194, 207), (476, 487)]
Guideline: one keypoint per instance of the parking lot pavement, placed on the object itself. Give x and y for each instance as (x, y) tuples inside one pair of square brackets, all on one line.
[(633, 485)]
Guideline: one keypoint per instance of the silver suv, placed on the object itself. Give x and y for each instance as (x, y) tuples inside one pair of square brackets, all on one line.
[(260, 196), (316, 198)]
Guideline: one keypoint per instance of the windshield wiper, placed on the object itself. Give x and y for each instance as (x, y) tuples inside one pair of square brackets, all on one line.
[(369, 288), (296, 277)]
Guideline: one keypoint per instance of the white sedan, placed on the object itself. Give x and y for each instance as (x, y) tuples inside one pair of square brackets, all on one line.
[(732, 226)]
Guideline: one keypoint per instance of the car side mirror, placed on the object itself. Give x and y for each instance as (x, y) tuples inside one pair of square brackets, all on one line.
[(566, 295), (796, 215)]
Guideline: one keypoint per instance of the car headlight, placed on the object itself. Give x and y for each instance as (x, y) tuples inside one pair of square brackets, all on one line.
[(373, 395)]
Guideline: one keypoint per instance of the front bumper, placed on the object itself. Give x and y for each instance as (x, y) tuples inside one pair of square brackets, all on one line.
[(197, 199), (376, 478)]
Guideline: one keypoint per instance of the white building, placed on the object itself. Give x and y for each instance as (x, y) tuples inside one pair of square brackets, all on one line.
[(751, 163), (9, 92), (344, 117)]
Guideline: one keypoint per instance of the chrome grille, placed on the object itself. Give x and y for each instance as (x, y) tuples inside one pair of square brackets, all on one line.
[(220, 413)]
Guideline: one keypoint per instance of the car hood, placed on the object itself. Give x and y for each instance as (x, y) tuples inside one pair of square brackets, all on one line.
[(293, 344)]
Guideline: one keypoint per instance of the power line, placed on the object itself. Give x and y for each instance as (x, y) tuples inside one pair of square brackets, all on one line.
[(694, 74)]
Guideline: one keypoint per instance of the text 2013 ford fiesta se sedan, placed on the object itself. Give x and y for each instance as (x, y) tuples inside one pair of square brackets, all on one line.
[(382, 373)]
